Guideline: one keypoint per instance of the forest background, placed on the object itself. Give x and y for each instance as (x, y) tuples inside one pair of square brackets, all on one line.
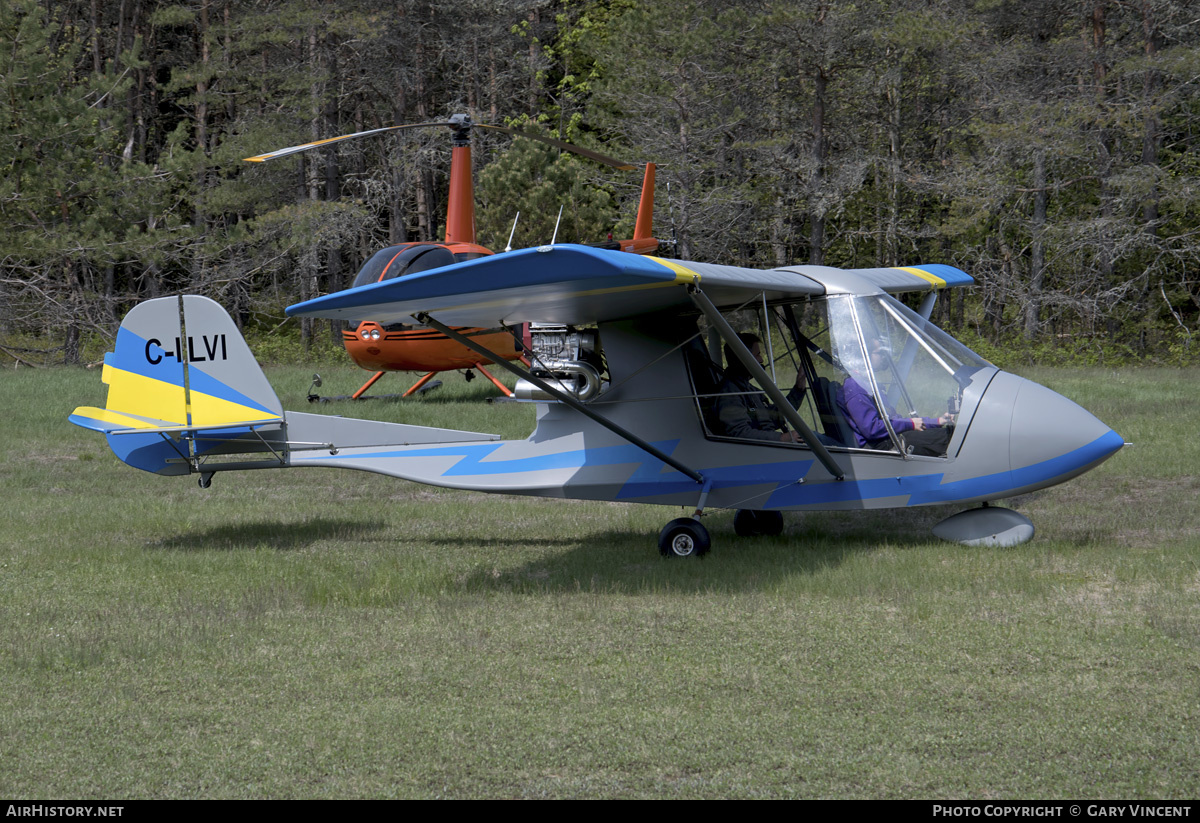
[(1046, 147)]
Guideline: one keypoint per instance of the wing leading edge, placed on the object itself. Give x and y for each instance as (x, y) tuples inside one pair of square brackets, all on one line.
[(895, 280), (576, 285)]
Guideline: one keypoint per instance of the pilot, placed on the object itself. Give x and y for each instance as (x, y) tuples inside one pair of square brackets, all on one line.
[(921, 435), (741, 408)]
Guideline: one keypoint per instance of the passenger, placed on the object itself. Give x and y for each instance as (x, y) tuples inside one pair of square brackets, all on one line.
[(921, 435), (741, 408)]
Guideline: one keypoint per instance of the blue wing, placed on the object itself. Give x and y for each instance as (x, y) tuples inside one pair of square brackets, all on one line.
[(580, 285)]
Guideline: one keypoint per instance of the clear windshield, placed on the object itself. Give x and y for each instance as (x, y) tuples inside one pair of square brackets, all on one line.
[(916, 367)]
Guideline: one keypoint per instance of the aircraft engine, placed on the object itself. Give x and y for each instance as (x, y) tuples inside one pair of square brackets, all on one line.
[(566, 357)]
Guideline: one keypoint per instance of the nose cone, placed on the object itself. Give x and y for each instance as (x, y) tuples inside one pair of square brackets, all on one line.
[(1050, 438)]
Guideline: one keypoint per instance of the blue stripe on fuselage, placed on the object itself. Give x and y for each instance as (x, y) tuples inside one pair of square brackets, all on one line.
[(649, 478), (926, 489), (652, 478)]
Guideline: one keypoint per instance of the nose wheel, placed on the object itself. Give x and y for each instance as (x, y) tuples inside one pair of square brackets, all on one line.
[(683, 537)]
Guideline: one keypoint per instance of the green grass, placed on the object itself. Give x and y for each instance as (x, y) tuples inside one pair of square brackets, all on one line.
[(337, 634)]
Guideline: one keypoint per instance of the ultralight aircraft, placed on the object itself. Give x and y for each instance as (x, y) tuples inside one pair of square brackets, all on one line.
[(627, 376)]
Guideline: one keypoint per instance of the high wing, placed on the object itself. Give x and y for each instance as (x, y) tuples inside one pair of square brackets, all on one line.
[(894, 280), (579, 285)]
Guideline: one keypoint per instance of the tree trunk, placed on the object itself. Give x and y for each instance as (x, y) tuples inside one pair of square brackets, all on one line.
[(816, 211), (1151, 131), (1105, 252), (1037, 251)]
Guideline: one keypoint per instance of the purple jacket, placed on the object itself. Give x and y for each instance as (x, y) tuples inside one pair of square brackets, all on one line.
[(862, 414)]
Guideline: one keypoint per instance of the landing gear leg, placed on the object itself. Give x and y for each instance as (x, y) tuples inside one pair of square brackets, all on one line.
[(418, 384), (367, 385), (495, 382)]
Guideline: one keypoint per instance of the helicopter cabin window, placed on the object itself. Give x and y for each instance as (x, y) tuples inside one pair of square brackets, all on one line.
[(861, 373), (397, 261), (374, 269)]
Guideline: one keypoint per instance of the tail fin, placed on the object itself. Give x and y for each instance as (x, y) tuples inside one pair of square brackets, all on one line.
[(643, 241), (643, 228), (185, 395), (179, 365)]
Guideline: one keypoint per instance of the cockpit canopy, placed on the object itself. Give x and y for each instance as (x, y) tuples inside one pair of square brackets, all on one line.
[(407, 258), (907, 366), (909, 363)]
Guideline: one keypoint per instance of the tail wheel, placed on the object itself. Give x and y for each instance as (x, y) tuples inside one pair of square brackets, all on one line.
[(750, 523), (683, 537)]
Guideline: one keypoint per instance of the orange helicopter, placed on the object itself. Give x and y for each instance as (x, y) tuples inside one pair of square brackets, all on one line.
[(401, 347)]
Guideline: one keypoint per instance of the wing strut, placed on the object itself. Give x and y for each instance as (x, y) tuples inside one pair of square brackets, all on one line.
[(425, 320), (756, 371)]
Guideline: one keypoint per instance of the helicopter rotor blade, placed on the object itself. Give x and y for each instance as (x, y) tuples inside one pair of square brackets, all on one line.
[(460, 122), (329, 140), (588, 153)]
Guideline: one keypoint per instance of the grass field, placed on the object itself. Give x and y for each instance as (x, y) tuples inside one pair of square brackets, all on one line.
[(336, 634)]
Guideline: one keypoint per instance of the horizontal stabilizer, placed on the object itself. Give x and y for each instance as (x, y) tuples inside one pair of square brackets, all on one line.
[(102, 420), (110, 422)]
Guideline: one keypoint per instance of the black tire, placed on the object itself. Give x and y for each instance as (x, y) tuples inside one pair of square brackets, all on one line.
[(751, 523), (770, 523), (683, 537)]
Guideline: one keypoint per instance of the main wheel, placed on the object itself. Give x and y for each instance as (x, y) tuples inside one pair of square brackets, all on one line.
[(683, 537), (750, 523)]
